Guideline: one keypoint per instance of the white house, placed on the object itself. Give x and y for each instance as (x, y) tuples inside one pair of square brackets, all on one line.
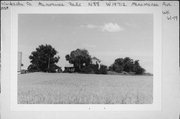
[(96, 61), (69, 68)]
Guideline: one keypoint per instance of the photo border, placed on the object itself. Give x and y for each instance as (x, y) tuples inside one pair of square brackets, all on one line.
[(157, 59)]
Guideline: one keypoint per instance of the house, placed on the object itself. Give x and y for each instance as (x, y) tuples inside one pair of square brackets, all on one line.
[(96, 61), (69, 68)]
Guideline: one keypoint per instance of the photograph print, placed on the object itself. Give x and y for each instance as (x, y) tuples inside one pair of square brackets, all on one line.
[(85, 59)]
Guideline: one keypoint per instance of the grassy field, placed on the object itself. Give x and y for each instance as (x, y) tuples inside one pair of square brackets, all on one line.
[(64, 88)]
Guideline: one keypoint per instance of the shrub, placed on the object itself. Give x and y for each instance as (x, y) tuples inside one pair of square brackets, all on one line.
[(87, 69), (33, 68), (139, 70), (103, 69), (119, 69), (93, 69)]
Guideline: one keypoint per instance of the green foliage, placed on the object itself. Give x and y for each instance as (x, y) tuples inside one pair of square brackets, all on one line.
[(82, 62), (139, 70), (33, 68), (87, 70), (103, 69), (128, 65), (118, 69), (43, 59), (118, 65), (93, 69), (80, 58), (68, 70)]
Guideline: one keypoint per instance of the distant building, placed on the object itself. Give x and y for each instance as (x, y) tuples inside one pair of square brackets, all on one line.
[(69, 68), (19, 61), (96, 61)]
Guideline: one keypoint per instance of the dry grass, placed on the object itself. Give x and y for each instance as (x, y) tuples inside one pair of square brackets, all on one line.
[(62, 88)]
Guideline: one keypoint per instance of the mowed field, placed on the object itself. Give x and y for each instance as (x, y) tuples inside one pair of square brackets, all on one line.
[(67, 88)]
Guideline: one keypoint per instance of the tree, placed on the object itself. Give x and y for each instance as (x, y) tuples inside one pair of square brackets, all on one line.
[(80, 58), (103, 69), (118, 65), (43, 59), (128, 65), (137, 68)]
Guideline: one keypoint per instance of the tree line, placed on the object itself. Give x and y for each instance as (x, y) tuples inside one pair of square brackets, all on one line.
[(44, 59)]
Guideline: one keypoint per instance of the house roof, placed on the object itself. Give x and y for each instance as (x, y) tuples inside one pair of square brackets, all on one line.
[(94, 58), (69, 65)]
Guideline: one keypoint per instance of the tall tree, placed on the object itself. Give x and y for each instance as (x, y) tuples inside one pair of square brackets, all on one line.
[(79, 58), (44, 59), (128, 64), (118, 65)]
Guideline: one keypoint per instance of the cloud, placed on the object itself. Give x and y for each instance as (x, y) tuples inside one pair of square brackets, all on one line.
[(107, 27), (91, 26), (111, 27)]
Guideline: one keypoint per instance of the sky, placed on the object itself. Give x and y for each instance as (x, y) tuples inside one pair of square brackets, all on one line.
[(105, 36)]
